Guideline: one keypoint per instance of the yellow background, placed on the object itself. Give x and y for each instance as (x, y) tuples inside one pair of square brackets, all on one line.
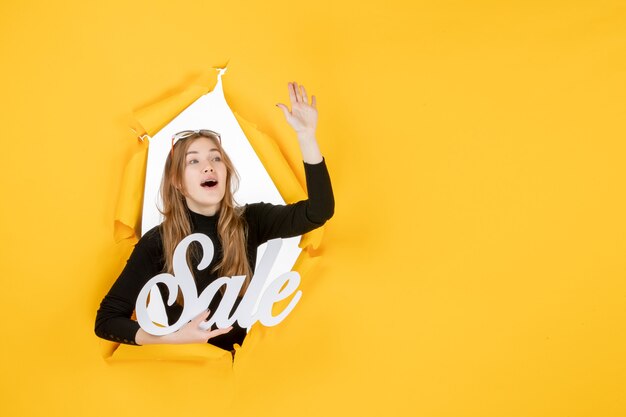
[(476, 262)]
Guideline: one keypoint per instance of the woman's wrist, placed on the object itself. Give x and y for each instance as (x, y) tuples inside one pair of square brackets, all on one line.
[(311, 153), (306, 136), (144, 338)]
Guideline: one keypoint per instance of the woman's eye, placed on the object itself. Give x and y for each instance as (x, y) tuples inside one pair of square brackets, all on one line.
[(193, 161), (217, 159)]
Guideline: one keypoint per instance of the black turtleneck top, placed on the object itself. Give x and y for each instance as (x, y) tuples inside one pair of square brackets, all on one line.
[(263, 222)]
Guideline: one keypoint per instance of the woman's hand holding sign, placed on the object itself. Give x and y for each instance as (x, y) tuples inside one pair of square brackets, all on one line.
[(189, 333)]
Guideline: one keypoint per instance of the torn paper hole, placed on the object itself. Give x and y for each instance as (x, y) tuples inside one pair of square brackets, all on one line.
[(212, 112)]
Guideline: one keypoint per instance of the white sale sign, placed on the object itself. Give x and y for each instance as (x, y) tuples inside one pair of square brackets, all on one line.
[(194, 304)]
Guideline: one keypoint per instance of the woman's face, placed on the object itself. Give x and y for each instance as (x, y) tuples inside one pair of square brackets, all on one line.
[(204, 177)]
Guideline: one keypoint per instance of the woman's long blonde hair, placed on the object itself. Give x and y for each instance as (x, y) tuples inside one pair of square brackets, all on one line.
[(231, 226)]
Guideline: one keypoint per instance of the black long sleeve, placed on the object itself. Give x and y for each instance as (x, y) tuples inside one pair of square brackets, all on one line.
[(265, 221), (270, 221), (113, 318)]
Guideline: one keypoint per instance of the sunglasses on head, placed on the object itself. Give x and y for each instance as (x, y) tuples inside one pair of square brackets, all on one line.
[(189, 133)]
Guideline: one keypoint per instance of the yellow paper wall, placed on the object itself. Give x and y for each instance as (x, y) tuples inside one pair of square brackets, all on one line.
[(476, 262)]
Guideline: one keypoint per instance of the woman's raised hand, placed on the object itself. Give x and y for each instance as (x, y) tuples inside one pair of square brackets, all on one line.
[(303, 116)]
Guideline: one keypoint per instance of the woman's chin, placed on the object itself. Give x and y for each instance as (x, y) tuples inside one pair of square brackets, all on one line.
[(207, 207)]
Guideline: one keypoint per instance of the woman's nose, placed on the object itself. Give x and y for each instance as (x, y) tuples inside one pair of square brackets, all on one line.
[(208, 168)]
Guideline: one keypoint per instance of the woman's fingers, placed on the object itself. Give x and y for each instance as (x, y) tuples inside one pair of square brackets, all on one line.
[(305, 99), (193, 333), (297, 94), (217, 332), (201, 317), (292, 93), (313, 102), (296, 87), (284, 109)]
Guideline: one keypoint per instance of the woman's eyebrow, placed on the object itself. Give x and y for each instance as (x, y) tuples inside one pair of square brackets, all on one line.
[(210, 150)]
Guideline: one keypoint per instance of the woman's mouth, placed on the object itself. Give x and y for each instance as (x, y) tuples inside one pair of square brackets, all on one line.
[(208, 183)]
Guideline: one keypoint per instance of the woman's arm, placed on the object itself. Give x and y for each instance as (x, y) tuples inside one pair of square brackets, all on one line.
[(268, 221), (113, 320)]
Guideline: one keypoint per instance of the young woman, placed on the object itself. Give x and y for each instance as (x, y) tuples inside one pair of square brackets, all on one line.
[(197, 198)]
